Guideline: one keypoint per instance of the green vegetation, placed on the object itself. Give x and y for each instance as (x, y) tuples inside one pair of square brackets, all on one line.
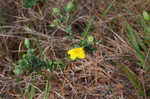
[(30, 3), (31, 63), (61, 21), (52, 49)]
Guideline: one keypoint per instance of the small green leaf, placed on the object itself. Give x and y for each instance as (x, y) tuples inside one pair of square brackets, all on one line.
[(57, 21), (18, 71), (100, 42), (84, 43), (50, 62), (53, 25), (58, 61), (90, 39), (146, 16), (27, 43), (69, 7), (69, 29), (29, 3), (56, 11)]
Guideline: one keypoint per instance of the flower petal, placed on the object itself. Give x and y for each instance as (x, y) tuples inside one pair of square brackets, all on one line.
[(69, 52), (81, 55), (76, 52), (73, 57)]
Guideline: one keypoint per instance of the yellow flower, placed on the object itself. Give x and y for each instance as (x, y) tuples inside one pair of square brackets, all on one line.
[(76, 53)]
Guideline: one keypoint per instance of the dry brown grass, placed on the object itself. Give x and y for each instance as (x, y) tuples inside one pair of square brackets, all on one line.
[(90, 78)]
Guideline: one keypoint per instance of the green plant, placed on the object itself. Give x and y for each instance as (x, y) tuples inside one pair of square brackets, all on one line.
[(88, 41), (30, 3), (61, 21), (89, 44), (31, 63), (135, 41), (88, 26), (140, 44)]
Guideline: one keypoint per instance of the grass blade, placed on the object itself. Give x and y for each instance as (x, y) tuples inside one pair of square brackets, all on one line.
[(32, 92), (40, 49), (134, 44), (141, 43), (145, 27), (47, 88), (85, 32), (107, 10), (113, 92), (133, 79)]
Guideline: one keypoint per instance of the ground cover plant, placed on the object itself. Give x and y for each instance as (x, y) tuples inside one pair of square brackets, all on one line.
[(74, 49)]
